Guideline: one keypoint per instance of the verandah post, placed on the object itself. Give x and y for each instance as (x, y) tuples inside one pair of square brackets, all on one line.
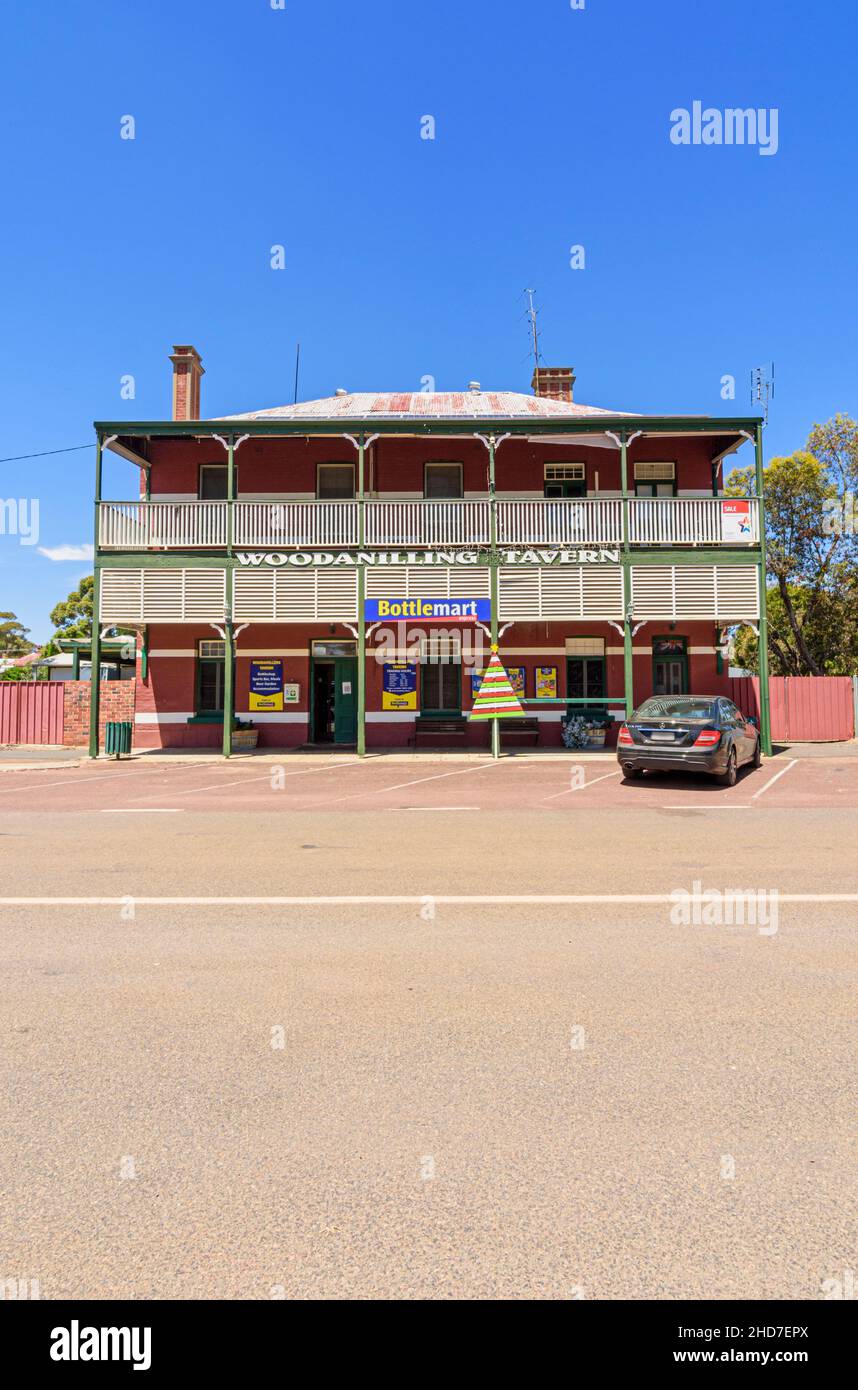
[(361, 620), (95, 649), (228, 687), (229, 646), (628, 650), (493, 577), (763, 641)]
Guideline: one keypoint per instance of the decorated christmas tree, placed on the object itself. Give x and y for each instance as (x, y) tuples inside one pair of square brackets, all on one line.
[(496, 698)]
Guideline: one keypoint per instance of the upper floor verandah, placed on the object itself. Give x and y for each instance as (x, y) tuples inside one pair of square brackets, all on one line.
[(214, 485)]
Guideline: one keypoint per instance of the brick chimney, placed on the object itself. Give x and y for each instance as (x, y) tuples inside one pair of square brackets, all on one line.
[(554, 382), (187, 374)]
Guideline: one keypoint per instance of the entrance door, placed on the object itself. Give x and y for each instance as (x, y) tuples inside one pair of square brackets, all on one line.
[(323, 702), (333, 685), (345, 700), (669, 676), (441, 688)]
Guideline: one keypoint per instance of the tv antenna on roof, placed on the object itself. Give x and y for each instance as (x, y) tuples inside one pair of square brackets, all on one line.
[(532, 313), (763, 388)]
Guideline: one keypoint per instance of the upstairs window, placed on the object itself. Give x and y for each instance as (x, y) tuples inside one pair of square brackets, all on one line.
[(565, 480), (655, 480), (442, 480), (213, 481), (335, 481)]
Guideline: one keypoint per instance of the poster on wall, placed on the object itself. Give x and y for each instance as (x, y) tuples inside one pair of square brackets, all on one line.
[(399, 686), (266, 686), (546, 682), (518, 680), (736, 519)]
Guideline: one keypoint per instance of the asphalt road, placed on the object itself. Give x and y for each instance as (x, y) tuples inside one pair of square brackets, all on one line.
[(422, 1099)]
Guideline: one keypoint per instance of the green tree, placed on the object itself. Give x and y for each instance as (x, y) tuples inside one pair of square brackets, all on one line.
[(812, 553), (73, 617), (14, 639)]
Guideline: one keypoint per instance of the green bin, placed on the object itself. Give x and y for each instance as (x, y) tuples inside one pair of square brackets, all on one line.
[(117, 738)]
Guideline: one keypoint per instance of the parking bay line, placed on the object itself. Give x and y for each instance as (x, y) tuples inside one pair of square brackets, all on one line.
[(582, 787), (263, 777), (382, 791), (411, 900), (774, 779)]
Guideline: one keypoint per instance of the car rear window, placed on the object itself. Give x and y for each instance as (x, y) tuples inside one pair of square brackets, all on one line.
[(665, 707)]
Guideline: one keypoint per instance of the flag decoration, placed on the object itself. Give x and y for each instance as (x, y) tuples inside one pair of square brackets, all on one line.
[(496, 698)]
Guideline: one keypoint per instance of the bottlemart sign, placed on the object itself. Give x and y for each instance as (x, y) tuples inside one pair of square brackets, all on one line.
[(317, 559), (428, 610)]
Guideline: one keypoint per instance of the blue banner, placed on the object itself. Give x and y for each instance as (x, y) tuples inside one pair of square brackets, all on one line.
[(428, 610)]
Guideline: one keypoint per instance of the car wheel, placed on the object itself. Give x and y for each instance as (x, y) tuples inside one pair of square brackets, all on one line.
[(730, 774), (758, 755), (631, 774)]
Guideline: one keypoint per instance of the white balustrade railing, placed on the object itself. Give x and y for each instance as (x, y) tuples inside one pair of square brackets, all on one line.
[(296, 524), (692, 521), (162, 525), (560, 521), (427, 523), (334, 525)]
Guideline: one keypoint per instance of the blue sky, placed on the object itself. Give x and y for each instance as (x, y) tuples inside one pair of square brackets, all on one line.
[(406, 257)]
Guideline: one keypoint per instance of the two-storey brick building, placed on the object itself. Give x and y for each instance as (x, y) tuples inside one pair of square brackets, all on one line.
[(329, 570)]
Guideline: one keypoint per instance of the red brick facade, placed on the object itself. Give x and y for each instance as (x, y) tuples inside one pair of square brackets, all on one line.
[(116, 703)]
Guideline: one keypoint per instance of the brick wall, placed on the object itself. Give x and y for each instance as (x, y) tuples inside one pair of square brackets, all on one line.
[(117, 702)]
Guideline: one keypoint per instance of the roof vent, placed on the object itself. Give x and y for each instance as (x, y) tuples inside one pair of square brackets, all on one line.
[(341, 391), (474, 386)]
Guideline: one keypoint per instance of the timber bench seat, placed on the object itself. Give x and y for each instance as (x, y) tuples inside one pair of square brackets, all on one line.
[(440, 732), (520, 733)]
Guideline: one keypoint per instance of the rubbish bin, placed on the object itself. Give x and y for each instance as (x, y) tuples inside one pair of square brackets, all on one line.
[(117, 738)]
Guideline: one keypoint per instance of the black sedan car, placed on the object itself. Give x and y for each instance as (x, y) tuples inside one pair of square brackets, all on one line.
[(688, 733)]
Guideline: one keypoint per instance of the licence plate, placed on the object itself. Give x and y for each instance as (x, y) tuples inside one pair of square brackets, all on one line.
[(662, 738)]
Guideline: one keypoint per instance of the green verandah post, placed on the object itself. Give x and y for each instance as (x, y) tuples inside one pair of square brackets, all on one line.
[(229, 645), (95, 650), (493, 577), (361, 620), (628, 649), (763, 642)]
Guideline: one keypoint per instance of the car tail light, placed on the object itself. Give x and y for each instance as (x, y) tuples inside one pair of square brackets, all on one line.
[(624, 735), (707, 738)]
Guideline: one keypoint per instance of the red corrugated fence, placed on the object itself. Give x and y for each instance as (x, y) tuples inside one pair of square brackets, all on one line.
[(805, 709), (31, 712)]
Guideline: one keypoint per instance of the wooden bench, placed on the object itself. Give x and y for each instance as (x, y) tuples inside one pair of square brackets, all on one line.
[(440, 733), (519, 733)]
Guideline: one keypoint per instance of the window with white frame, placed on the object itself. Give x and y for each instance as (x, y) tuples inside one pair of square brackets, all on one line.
[(565, 480), (442, 481), (655, 479), (335, 481)]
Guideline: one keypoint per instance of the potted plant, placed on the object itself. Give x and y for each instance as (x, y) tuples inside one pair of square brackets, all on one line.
[(575, 732), (597, 729), (245, 735)]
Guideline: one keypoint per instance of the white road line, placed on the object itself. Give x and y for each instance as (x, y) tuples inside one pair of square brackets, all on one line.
[(459, 772), (436, 808), (583, 786), (772, 780), (265, 777), (701, 806), (140, 811), (68, 781), (411, 900)]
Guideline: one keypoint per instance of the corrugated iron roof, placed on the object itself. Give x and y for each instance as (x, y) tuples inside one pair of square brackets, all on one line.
[(427, 405)]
